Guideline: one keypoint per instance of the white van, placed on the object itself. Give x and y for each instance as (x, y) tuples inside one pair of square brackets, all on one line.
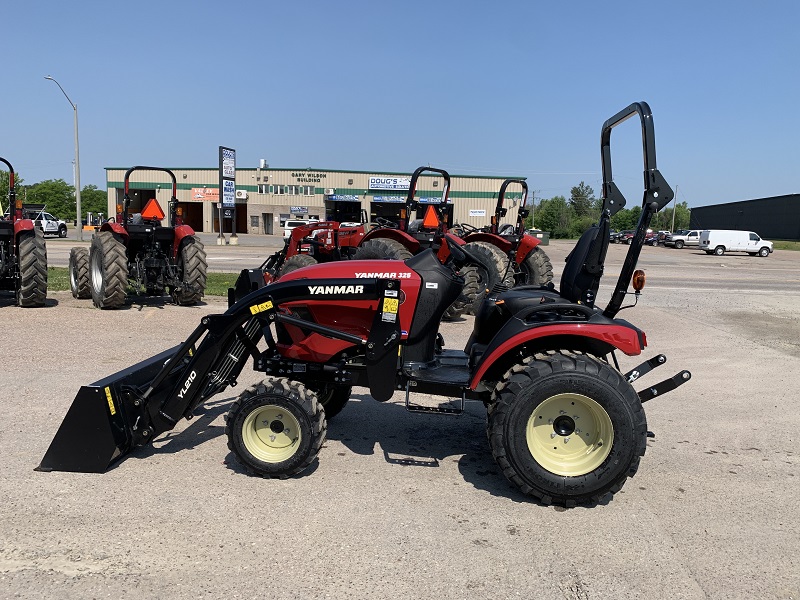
[(720, 241)]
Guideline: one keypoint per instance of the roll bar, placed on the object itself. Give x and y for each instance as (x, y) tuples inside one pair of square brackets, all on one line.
[(14, 212), (411, 204), (500, 211), (657, 192), (127, 199)]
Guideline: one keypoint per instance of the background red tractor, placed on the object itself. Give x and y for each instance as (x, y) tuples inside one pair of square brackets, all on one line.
[(136, 250), (23, 254), (514, 256)]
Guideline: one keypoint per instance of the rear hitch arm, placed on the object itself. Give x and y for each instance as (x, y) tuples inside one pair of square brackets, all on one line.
[(660, 388)]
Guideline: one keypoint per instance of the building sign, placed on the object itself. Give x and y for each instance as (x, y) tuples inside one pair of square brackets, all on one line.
[(309, 177), (227, 176), (389, 199), (389, 183), (344, 198), (432, 201), (477, 212), (205, 194), (296, 210)]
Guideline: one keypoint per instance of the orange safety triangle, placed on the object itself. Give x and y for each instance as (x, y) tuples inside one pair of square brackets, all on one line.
[(431, 220), (152, 210)]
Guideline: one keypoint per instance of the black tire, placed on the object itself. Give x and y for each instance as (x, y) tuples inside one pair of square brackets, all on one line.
[(468, 295), (532, 419), (333, 398), (192, 271), (382, 249), (79, 283), (62, 231), (276, 428), (536, 268), (298, 261), (32, 257), (108, 270), (679, 244), (719, 250), (499, 269), (763, 251)]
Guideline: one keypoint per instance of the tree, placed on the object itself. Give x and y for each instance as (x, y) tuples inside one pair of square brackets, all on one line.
[(4, 188), (56, 194), (94, 200), (582, 199), (555, 215)]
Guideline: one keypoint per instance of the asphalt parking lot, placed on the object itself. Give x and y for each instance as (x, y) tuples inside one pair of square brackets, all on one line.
[(412, 506)]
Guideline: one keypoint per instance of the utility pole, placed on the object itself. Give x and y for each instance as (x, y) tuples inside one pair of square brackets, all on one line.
[(674, 204)]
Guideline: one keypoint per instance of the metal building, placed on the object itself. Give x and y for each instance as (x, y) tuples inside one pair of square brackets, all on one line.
[(775, 218), (267, 197)]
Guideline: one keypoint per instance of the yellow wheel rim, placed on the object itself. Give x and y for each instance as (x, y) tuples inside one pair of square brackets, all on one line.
[(569, 434), (271, 434)]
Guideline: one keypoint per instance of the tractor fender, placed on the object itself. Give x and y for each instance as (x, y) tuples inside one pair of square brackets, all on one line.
[(23, 225), (600, 338), (526, 244), (393, 234), (181, 232), (494, 240), (117, 228)]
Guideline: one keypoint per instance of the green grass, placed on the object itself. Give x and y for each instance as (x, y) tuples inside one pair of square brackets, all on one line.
[(786, 245), (217, 285)]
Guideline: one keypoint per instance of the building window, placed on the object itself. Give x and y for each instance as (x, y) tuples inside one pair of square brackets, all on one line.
[(278, 190), (292, 190), (308, 190), (349, 182), (263, 188), (254, 221)]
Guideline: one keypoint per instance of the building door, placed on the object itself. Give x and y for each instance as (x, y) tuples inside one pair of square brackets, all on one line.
[(267, 219)]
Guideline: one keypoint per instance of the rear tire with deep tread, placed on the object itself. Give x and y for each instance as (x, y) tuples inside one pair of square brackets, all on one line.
[(276, 428), (192, 270), (108, 270), (499, 270), (536, 268), (546, 403), (32, 257), (382, 249), (79, 283), (469, 294), (298, 261)]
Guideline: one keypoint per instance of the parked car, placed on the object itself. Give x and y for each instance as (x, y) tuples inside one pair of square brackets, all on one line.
[(625, 236), (49, 224), (292, 223), (651, 238), (720, 241), (683, 237)]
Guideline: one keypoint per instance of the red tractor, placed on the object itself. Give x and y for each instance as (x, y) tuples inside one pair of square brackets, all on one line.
[(318, 242), (23, 254), (515, 257), (136, 250), (564, 424)]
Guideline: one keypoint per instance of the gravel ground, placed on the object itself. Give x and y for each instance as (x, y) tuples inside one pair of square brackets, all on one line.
[(403, 505)]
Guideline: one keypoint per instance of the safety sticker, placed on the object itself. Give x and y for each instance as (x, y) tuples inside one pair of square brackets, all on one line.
[(390, 305), (388, 317), (110, 402), (391, 293), (259, 308), (431, 285)]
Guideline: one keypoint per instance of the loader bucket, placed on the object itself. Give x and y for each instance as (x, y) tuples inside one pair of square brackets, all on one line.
[(101, 425)]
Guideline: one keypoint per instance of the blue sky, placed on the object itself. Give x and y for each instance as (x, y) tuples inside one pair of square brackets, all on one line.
[(500, 88)]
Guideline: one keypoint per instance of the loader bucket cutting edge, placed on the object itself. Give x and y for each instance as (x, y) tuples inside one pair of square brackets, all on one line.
[(97, 430)]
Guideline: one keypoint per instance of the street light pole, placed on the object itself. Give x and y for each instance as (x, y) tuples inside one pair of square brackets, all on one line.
[(74, 106)]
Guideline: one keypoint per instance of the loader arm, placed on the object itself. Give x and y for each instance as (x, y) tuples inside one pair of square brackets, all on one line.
[(111, 417)]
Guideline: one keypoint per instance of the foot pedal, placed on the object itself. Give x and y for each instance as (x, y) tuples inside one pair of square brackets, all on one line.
[(441, 410)]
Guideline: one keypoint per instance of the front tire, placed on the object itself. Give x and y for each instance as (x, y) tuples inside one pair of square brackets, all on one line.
[(276, 428), (298, 261), (192, 271), (62, 231), (108, 270), (566, 429), (499, 269), (79, 283), (763, 251), (679, 244), (32, 258), (719, 250), (536, 268), (382, 249)]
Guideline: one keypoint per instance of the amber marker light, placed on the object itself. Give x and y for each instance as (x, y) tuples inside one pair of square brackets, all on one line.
[(638, 280)]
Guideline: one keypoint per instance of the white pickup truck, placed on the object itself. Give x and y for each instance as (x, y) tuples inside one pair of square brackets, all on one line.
[(47, 223), (720, 241)]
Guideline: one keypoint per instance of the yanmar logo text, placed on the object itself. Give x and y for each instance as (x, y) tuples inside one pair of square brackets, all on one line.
[(336, 289)]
